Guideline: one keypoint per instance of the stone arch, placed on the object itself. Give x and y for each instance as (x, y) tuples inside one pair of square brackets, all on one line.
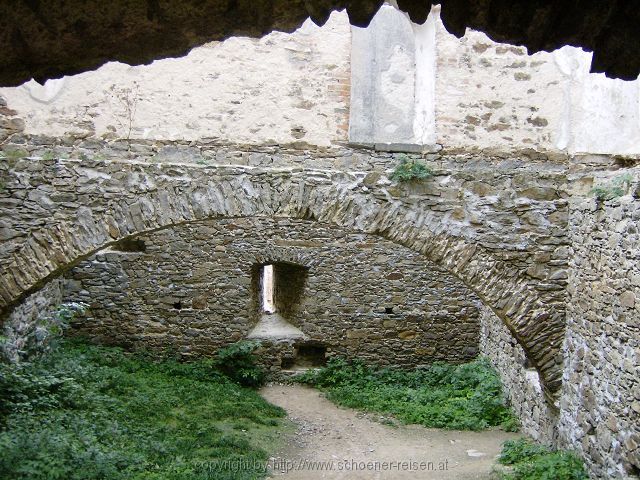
[(127, 199)]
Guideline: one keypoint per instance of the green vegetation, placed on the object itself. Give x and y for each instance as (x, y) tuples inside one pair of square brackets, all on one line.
[(465, 397), (15, 154), (87, 156), (238, 363), (410, 170), (516, 451), (25, 339), (531, 461), (85, 412), (614, 189)]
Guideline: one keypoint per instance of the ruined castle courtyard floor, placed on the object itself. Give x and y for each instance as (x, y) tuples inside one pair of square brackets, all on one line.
[(334, 443)]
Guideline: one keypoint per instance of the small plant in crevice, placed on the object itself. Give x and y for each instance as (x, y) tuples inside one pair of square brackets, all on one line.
[(531, 461), (466, 397), (410, 170), (124, 101), (238, 363), (48, 155), (15, 154), (616, 188)]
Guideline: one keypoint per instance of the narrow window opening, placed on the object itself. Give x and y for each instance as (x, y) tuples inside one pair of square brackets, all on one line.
[(268, 303), (278, 289), (388, 310), (177, 305)]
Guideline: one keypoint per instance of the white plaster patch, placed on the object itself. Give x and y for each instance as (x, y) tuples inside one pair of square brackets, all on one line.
[(238, 91), (398, 80), (45, 93)]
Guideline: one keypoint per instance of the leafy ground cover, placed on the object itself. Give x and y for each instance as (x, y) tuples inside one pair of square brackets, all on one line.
[(464, 397), (531, 461), (88, 412)]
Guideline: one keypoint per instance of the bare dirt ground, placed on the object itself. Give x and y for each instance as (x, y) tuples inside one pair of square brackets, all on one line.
[(337, 443)]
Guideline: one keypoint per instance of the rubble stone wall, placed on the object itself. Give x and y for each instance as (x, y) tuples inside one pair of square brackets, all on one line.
[(538, 417), (192, 290), (600, 402), (498, 225)]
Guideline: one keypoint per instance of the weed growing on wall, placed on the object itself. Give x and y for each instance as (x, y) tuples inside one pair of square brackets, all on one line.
[(48, 155), (15, 154), (616, 188), (88, 413), (410, 170), (531, 461), (124, 101), (464, 397)]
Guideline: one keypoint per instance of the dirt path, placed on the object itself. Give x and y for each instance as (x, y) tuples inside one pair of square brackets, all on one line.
[(337, 443)]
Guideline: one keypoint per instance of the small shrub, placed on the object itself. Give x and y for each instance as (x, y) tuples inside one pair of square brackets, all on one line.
[(410, 170), (614, 189), (514, 451), (532, 461), (238, 363)]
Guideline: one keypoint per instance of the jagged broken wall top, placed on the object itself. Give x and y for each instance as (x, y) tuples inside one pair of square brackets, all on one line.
[(393, 82)]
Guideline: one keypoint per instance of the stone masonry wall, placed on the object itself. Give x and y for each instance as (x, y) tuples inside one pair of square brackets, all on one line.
[(521, 381), (420, 87), (600, 402), (25, 317), (191, 291), (498, 223), (496, 96)]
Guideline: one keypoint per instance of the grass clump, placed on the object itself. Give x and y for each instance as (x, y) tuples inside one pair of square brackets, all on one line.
[(531, 461), (464, 397), (48, 155), (410, 170), (87, 412), (616, 188), (15, 154)]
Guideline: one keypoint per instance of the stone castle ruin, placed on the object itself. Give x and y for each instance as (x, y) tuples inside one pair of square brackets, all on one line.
[(244, 191)]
